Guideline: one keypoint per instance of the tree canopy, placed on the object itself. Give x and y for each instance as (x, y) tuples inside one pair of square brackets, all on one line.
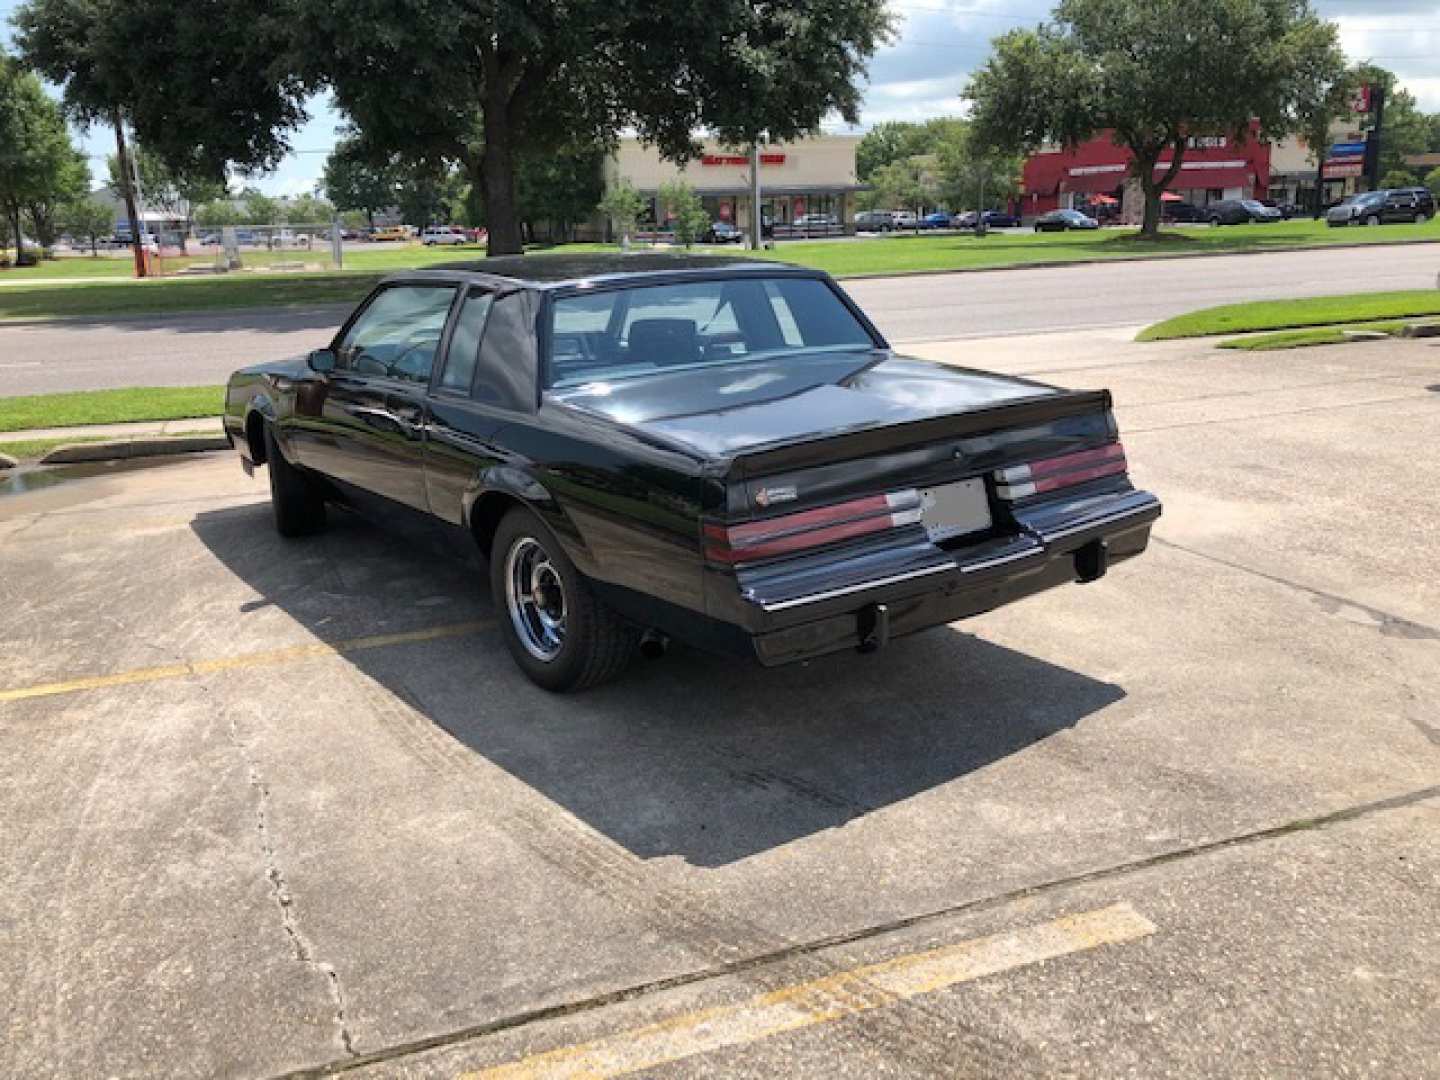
[(40, 169), (1154, 75), (897, 140)]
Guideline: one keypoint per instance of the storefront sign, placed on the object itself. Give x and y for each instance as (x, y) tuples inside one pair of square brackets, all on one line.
[(1361, 101), (1335, 170), (1207, 142), (741, 159)]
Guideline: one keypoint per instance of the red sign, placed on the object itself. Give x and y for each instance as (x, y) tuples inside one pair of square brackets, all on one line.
[(1360, 103), (741, 159), (1335, 170)]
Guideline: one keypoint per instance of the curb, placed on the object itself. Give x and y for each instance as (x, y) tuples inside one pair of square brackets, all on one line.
[(1052, 264), (117, 449)]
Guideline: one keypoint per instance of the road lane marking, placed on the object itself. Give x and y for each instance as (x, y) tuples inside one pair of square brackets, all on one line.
[(830, 998), (290, 655)]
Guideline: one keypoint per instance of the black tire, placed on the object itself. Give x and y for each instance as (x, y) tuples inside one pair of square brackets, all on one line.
[(299, 507), (596, 644)]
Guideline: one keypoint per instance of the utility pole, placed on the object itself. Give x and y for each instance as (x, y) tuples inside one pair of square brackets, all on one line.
[(127, 191), (757, 229), (1373, 136)]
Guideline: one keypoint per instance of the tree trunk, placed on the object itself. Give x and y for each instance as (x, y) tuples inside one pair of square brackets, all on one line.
[(127, 189), (1145, 166), (497, 168)]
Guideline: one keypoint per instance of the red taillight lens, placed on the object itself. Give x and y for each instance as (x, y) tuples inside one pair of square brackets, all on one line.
[(790, 533), (1050, 474)]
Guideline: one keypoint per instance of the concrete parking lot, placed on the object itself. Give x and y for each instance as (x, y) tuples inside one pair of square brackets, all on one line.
[(275, 807)]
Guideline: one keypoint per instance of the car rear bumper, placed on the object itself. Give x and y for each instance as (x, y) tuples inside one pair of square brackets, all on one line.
[(810, 612)]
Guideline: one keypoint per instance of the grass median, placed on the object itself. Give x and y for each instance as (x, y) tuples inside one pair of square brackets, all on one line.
[(41, 298), (1293, 314), (83, 407)]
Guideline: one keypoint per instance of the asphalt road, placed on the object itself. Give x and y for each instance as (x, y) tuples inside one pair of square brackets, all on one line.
[(200, 349), (269, 806)]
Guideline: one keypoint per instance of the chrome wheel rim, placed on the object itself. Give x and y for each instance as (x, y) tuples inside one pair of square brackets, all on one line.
[(535, 596)]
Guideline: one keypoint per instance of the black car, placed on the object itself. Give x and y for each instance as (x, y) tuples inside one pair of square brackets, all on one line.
[(715, 450), (1240, 212), (1384, 207), (722, 232), (1182, 213), (994, 219), (1060, 220)]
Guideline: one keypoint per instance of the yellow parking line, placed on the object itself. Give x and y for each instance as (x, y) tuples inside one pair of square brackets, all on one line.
[(244, 660), (823, 1000)]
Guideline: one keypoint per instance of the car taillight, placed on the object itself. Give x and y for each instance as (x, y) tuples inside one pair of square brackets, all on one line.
[(790, 533), (1050, 474)]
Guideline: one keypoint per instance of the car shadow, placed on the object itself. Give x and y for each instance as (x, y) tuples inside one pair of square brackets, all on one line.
[(709, 759)]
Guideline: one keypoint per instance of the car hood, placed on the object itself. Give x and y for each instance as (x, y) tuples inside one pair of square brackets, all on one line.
[(721, 411)]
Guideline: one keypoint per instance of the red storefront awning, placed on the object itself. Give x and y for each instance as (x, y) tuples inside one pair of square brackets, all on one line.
[(1090, 180), (1220, 175)]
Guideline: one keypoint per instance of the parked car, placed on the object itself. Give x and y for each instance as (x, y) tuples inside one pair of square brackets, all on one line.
[(712, 449), (391, 232), (874, 221), (722, 232), (442, 235), (1386, 206), (1182, 212), (938, 220), (994, 219), (902, 219), (1240, 212), (1287, 210), (1061, 220), (245, 237)]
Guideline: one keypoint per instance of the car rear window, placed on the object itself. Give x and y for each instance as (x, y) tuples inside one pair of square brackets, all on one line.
[(644, 329)]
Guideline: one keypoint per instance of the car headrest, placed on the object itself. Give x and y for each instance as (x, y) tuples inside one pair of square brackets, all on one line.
[(664, 341)]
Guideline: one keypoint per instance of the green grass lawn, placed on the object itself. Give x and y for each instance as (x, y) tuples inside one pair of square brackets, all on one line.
[(31, 449), (1286, 314), (110, 406), (878, 255), (1319, 335)]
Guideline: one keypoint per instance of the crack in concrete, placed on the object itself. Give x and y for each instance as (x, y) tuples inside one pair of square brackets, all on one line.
[(1387, 623), (301, 946)]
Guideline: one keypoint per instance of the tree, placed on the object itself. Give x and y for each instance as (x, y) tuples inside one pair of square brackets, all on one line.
[(39, 168), (683, 207), (895, 140), (1156, 74), (1432, 180), (559, 189), (259, 208), (1397, 178), (353, 180), (87, 219), (972, 174), (218, 213), (902, 185), (175, 194), (486, 86), (622, 207), (308, 210)]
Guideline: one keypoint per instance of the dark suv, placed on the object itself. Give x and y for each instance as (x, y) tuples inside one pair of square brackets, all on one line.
[(1384, 207)]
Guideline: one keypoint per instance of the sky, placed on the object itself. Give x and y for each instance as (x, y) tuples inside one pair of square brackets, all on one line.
[(921, 72)]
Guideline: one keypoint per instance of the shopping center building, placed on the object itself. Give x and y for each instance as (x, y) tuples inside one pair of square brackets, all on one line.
[(808, 177), (1211, 168)]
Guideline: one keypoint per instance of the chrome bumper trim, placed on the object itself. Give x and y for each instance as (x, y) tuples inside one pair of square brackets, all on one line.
[(876, 583)]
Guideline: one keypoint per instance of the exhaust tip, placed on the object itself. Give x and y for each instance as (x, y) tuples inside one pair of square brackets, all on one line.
[(653, 644)]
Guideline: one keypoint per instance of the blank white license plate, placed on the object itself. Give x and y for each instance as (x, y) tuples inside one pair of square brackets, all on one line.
[(955, 509)]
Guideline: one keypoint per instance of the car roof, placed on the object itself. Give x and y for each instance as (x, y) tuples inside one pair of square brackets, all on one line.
[(557, 271)]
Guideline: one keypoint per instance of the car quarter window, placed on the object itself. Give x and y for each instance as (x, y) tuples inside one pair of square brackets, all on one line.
[(508, 365), (397, 334), (463, 352)]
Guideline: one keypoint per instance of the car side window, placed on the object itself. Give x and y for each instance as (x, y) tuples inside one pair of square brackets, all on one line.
[(509, 366), (397, 334), (463, 352)]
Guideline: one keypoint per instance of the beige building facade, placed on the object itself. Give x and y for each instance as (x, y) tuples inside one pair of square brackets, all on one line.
[(801, 179)]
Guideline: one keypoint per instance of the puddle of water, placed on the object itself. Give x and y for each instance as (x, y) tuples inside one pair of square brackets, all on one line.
[(30, 478)]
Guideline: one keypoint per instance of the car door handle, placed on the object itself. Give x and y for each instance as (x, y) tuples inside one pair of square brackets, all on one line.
[(386, 415)]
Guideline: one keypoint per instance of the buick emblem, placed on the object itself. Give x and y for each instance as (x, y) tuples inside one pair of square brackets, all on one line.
[(768, 496)]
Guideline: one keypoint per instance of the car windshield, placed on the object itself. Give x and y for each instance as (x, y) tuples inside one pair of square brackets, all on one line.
[(1251, 204), (641, 330)]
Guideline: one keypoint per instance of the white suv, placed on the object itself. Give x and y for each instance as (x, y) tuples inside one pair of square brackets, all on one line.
[(441, 234), (902, 219)]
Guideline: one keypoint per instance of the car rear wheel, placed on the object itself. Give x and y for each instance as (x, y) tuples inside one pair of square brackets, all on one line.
[(298, 505), (1373, 219), (560, 634)]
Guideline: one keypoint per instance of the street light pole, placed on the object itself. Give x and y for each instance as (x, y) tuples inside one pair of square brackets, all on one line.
[(757, 233)]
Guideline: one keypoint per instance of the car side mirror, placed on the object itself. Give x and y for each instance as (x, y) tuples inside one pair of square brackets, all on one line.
[(321, 361)]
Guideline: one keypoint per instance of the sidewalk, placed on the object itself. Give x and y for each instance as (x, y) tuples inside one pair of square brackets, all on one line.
[(205, 425)]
